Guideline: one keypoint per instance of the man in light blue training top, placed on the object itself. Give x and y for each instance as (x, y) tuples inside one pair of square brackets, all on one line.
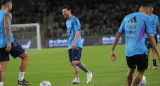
[(135, 26), (154, 21), (75, 44), (9, 46)]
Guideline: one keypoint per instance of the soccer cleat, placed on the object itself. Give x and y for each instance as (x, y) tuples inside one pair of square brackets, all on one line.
[(156, 67), (76, 81), (89, 77), (23, 82)]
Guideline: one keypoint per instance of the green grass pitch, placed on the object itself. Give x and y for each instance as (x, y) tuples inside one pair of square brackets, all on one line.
[(52, 64)]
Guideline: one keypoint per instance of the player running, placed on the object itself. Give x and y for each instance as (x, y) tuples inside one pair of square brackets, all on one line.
[(75, 44), (134, 26), (154, 22), (9, 46)]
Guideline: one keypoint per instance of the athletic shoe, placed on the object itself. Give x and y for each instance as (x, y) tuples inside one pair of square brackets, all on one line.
[(156, 67), (76, 81), (23, 82), (89, 77)]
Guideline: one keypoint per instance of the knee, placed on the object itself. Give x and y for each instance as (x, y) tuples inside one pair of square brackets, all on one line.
[(24, 56), (75, 62)]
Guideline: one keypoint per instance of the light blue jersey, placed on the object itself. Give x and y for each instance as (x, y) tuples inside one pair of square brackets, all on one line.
[(134, 26), (154, 21), (72, 26), (3, 39)]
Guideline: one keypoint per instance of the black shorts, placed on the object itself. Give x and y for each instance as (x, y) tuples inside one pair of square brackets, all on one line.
[(74, 54), (139, 60), (16, 51), (148, 44)]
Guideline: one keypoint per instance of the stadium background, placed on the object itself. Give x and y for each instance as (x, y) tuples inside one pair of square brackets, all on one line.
[(100, 19)]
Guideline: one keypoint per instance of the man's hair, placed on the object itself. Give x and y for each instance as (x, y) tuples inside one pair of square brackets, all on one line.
[(66, 7), (3, 2), (146, 7)]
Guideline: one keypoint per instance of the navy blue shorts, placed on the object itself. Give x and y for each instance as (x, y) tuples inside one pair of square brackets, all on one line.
[(139, 60), (16, 51), (74, 54), (148, 44)]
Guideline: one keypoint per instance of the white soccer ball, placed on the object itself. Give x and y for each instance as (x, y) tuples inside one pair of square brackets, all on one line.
[(143, 82), (45, 83)]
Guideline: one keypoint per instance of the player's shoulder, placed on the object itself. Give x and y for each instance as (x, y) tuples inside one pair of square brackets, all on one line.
[(154, 15), (74, 18), (8, 14)]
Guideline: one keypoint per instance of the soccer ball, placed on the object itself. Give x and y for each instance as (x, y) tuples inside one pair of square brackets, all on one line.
[(45, 83), (143, 82)]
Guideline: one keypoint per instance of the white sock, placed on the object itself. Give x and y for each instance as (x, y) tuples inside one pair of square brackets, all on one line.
[(76, 78), (88, 72), (21, 76), (1, 83)]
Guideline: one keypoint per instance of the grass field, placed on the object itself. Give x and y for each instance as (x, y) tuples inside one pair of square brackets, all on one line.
[(52, 64)]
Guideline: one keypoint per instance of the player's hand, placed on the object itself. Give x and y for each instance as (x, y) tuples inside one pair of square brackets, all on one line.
[(73, 46), (113, 56), (8, 48)]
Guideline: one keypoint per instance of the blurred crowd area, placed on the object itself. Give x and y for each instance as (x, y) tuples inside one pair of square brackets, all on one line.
[(97, 17)]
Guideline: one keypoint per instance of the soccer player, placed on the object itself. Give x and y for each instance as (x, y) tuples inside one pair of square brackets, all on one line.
[(9, 46), (154, 21), (134, 26), (75, 44)]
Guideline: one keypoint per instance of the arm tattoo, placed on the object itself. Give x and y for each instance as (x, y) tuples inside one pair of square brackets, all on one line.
[(7, 20), (116, 40)]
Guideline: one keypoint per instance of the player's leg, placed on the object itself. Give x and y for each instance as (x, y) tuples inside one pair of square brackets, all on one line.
[(148, 45), (76, 61), (4, 58), (142, 64), (75, 70), (74, 67), (154, 56), (18, 51), (138, 77), (3, 66), (131, 65), (154, 59), (130, 76), (23, 64)]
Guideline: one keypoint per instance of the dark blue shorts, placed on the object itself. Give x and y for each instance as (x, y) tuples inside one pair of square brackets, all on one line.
[(16, 51), (74, 54), (148, 44), (139, 60)]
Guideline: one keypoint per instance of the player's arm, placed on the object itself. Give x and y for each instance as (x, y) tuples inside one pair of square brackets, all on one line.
[(158, 25), (113, 55), (7, 20), (75, 39), (118, 35), (76, 24), (153, 43), (158, 29)]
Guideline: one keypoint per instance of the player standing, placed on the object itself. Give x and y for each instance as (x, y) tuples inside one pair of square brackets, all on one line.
[(75, 44), (154, 21), (9, 46), (134, 26)]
